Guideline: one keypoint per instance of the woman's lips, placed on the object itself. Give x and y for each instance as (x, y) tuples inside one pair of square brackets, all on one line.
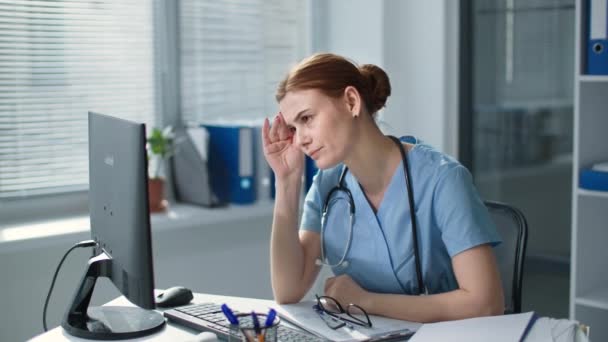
[(315, 153)]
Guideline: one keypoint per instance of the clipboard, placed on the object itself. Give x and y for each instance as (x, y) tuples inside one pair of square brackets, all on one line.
[(303, 316)]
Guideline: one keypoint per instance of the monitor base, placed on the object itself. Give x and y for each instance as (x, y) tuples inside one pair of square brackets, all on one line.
[(115, 323), (106, 322)]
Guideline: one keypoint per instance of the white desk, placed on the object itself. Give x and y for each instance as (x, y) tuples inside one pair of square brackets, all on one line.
[(173, 332)]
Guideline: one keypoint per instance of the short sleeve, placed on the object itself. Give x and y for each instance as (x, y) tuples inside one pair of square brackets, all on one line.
[(462, 217), (311, 212)]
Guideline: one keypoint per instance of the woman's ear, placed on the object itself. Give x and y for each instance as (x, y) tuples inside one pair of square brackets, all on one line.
[(353, 100)]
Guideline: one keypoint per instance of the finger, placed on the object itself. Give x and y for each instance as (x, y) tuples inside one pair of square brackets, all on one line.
[(274, 134), (265, 131), (275, 147), (284, 131)]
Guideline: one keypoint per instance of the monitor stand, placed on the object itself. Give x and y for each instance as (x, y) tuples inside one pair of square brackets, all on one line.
[(106, 322)]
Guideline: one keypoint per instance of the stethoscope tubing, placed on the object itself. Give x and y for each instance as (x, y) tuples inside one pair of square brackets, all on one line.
[(351, 202), (410, 196)]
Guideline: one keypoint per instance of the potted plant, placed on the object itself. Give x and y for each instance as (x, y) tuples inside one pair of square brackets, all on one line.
[(160, 146)]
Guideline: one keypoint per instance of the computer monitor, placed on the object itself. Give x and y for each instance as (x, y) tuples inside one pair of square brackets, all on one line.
[(120, 224)]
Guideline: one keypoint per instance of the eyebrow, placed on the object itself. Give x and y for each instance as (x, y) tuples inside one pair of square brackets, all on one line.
[(298, 115)]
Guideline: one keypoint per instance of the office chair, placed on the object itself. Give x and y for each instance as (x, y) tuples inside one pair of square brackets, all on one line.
[(513, 229)]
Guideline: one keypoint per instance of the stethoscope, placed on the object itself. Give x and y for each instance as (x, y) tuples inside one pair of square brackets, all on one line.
[(341, 187)]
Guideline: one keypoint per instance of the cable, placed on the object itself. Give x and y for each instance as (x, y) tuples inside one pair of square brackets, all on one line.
[(85, 243)]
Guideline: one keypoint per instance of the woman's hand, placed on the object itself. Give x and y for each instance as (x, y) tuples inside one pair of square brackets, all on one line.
[(345, 290), (284, 157)]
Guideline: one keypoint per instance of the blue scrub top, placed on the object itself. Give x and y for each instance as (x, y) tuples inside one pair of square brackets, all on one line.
[(451, 218)]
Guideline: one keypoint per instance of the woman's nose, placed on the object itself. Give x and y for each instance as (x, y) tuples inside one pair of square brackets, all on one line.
[(301, 139)]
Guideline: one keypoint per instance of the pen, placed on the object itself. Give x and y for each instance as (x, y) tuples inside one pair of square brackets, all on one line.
[(229, 315), (270, 318), (256, 326)]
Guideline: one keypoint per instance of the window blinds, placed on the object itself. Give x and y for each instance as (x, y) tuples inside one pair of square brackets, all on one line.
[(59, 60), (234, 52)]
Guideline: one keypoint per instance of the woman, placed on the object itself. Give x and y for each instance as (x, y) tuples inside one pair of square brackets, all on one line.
[(327, 107)]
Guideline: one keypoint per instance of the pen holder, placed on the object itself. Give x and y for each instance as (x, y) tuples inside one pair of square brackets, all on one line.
[(246, 331)]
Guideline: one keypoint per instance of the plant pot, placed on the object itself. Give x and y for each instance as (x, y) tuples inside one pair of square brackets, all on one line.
[(156, 195)]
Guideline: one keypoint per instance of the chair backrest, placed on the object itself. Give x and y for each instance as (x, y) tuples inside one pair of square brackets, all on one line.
[(510, 254)]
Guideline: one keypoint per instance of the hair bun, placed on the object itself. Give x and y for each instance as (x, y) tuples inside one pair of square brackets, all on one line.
[(378, 84)]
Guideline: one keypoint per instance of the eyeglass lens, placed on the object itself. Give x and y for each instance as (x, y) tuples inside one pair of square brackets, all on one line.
[(330, 305), (357, 313)]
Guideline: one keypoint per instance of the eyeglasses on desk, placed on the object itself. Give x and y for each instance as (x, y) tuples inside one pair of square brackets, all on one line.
[(354, 314)]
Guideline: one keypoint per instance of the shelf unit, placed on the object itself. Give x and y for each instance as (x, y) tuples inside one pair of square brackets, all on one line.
[(597, 298), (591, 193), (589, 264), (593, 78)]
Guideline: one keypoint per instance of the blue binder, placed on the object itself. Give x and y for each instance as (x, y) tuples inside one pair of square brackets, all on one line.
[(593, 180), (310, 172), (232, 163), (597, 37), (263, 172), (273, 189)]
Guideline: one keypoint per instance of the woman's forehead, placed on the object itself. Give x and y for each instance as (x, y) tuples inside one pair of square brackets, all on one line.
[(296, 101)]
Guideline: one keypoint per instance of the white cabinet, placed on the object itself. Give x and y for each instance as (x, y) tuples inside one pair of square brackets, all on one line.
[(589, 265)]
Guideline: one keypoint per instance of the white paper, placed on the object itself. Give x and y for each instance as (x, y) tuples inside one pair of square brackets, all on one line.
[(303, 316), (598, 19), (506, 328), (603, 167), (200, 139), (542, 331)]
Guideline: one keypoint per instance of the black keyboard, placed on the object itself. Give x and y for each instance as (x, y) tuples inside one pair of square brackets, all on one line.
[(209, 317)]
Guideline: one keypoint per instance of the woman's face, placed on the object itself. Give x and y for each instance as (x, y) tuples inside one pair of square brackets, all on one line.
[(322, 126)]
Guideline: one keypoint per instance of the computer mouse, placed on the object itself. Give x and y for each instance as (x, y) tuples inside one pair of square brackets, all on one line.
[(174, 296), (205, 336)]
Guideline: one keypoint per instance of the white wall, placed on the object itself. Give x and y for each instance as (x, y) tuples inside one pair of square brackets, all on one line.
[(229, 258), (355, 30), (415, 56)]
